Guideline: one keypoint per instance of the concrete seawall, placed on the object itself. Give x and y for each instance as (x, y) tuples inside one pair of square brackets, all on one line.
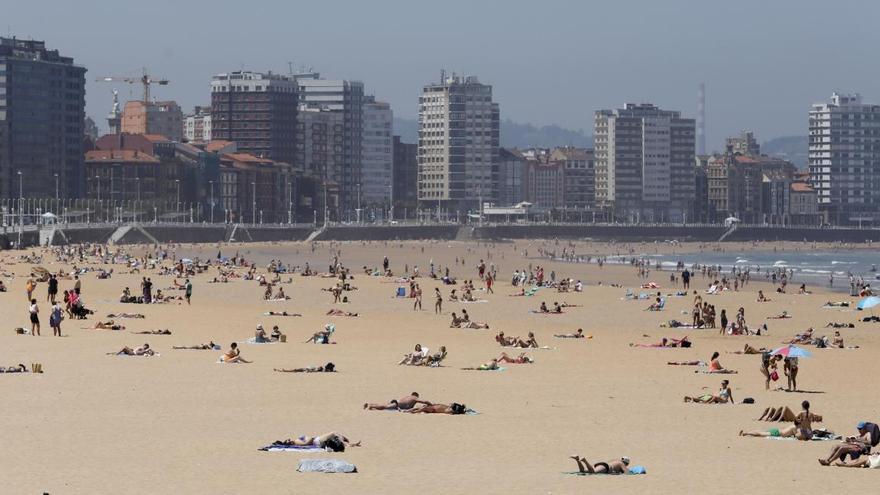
[(184, 233)]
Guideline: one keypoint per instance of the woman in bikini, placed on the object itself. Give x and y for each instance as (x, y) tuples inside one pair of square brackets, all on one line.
[(332, 440), (617, 466), (521, 359), (724, 396), (715, 365), (233, 355), (210, 346), (327, 368)]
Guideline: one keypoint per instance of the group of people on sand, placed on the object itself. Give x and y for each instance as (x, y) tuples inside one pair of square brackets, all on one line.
[(464, 321), (421, 356), (260, 336), (528, 342), (413, 403)]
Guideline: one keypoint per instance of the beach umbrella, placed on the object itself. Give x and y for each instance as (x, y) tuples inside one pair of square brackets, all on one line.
[(868, 302), (792, 351)]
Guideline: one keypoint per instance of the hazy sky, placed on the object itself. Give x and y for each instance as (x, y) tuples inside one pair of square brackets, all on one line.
[(551, 61)]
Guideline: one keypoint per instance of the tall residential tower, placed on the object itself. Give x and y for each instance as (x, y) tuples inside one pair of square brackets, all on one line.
[(845, 158), (459, 133), (644, 160)]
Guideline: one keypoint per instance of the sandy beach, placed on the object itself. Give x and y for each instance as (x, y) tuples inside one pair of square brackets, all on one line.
[(182, 423)]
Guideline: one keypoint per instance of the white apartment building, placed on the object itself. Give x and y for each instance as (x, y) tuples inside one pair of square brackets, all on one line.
[(377, 158), (197, 125), (644, 163), (459, 130), (845, 159)]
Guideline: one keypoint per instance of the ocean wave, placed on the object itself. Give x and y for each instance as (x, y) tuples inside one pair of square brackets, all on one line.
[(834, 262)]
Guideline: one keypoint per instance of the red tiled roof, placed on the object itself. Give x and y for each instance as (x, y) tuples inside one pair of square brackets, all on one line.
[(119, 156), (156, 138), (801, 187)]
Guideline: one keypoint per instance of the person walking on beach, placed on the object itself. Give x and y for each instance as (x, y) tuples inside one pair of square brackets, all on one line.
[(29, 288), (189, 291), (55, 319), (417, 294), (686, 279), (35, 317), (438, 301), (489, 281), (53, 289)]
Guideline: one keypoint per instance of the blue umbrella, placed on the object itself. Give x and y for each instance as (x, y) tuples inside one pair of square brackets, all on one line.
[(868, 302), (792, 351)]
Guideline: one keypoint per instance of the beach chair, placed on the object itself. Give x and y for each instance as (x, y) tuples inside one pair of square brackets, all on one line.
[(401, 291)]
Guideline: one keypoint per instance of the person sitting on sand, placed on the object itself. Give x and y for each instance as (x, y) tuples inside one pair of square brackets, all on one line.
[(557, 308), (339, 312), (490, 366), (107, 325), (434, 359), (143, 350), (872, 462), (210, 346), (260, 336), (837, 341), (327, 368), (761, 297), (280, 294), (281, 313), (330, 441), (323, 336), (466, 323), (233, 355), (715, 365), (440, 409), (803, 289), (577, 335), (543, 308), (154, 332), (529, 342), (855, 446), (617, 466), (724, 396), (401, 404), (803, 338), (418, 354), (521, 359), (505, 341)]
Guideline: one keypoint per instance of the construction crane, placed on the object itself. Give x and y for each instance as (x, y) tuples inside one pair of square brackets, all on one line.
[(145, 79)]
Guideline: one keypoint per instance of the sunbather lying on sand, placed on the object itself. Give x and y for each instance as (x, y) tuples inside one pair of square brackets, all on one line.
[(780, 316), (724, 396), (339, 312), (402, 404), (327, 368), (453, 408), (749, 350), (154, 332), (280, 313), (521, 359), (210, 346), (781, 413), (836, 304), (666, 342), (105, 325), (330, 441), (490, 366), (126, 315), (143, 350), (20, 368), (617, 466), (803, 338), (577, 335), (323, 336), (840, 325)]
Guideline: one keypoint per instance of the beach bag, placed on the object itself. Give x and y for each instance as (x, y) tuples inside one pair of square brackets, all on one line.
[(774, 376)]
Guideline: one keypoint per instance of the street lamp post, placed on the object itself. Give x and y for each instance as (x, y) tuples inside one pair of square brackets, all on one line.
[(254, 204), (177, 206), (289, 204), (56, 187), (20, 211), (212, 200)]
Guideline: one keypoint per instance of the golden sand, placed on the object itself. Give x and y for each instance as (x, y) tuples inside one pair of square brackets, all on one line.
[(182, 423)]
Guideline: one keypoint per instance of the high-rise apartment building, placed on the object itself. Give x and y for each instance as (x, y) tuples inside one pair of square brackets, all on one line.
[(644, 160), (164, 118), (346, 98), (459, 133), (844, 158), (378, 153), (42, 113), (405, 176), (197, 125), (257, 111)]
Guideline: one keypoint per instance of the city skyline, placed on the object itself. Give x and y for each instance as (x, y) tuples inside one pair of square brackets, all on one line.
[(556, 65)]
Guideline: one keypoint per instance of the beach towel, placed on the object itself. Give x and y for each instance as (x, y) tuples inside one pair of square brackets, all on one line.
[(290, 448), (478, 301), (143, 355), (632, 471), (814, 439), (325, 466)]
